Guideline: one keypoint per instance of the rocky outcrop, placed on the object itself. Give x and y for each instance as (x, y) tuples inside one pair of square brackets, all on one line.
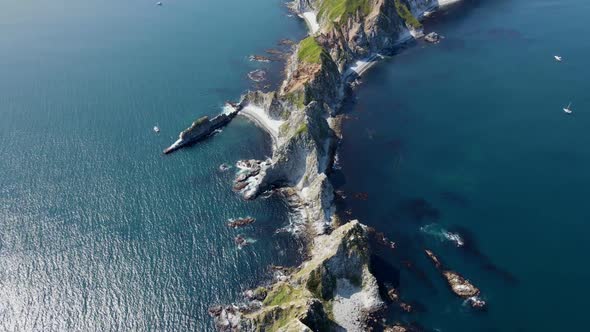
[(200, 129), (459, 285), (334, 289)]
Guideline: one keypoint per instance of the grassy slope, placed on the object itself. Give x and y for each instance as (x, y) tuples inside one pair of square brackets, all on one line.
[(406, 14), (310, 51), (334, 10)]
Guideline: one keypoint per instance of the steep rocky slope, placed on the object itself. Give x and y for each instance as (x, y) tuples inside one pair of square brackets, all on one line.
[(334, 289)]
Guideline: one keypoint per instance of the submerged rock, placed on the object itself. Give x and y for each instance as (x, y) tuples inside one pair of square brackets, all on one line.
[(241, 241), (260, 58), (241, 222), (257, 75), (286, 42)]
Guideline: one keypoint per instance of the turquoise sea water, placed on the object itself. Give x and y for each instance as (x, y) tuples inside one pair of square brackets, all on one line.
[(98, 230), (469, 135)]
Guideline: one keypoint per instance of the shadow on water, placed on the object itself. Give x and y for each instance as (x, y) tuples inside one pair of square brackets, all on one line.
[(455, 198), (470, 247), (418, 209)]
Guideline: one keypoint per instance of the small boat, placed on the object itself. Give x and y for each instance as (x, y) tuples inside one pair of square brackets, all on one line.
[(156, 129), (557, 58), (568, 109), (159, 3)]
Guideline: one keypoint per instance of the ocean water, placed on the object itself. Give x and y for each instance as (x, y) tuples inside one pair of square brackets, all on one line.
[(469, 136), (98, 230)]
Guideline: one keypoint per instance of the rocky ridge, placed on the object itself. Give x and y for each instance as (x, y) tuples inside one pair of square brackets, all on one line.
[(317, 76), (333, 290)]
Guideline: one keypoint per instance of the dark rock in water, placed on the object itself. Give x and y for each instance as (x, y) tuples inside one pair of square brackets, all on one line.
[(257, 75), (400, 328), (459, 285), (241, 241), (383, 240), (274, 51), (224, 167), (362, 196), (260, 58), (432, 37), (242, 177), (393, 295), (434, 259), (286, 42), (241, 222), (240, 185)]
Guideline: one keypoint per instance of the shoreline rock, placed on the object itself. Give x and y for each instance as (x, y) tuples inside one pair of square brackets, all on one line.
[(334, 281), (241, 222), (460, 286)]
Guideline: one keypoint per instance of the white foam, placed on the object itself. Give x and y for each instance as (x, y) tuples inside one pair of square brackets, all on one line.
[(443, 3), (312, 21)]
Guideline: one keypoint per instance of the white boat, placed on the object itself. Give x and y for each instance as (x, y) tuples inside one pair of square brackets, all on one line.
[(159, 3), (156, 129), (557, 57), (568, 109)]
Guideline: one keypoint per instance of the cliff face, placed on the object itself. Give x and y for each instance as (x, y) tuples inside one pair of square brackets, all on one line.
[(353, 29), (312, 92), (302, 154), (331, 291)]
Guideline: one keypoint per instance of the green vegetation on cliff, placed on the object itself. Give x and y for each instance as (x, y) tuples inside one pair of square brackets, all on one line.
[(201, 120), (281, 294), (406, 14), (334, 10), (310, 51)]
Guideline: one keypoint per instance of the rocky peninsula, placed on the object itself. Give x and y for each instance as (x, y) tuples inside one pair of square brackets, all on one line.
[(302, 117)]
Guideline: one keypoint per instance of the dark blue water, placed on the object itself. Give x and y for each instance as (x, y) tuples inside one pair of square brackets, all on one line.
[(98, 230), (469, 135)]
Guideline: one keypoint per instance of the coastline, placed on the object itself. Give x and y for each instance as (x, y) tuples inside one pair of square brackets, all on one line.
[(302, 120), (263, 121)]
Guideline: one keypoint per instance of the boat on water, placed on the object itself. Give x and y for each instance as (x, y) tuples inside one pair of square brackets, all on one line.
[(156, 129), (567, 109), (159, 3), (557, 58)]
